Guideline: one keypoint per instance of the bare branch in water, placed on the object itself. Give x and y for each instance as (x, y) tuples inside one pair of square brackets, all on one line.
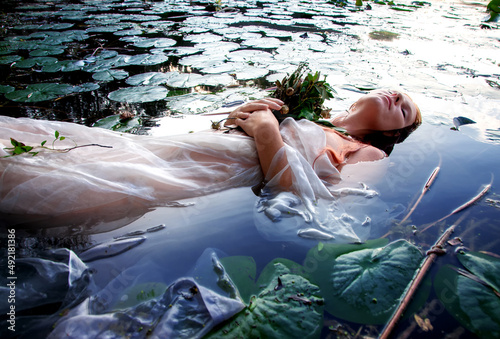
[(426, 187), (464, 206)]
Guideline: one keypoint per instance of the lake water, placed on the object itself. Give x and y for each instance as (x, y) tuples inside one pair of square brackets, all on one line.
[(441, 53)]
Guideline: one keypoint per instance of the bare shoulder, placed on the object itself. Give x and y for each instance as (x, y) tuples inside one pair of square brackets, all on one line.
[(368, 153)]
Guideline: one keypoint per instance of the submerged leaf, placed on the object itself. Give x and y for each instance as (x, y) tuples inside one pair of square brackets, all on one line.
[(363, 283), (289, 306), (472, 298)]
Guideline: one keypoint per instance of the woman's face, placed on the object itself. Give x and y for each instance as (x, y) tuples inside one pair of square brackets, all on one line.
[(384, 110)]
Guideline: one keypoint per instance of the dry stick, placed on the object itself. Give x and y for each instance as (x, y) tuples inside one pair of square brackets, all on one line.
[(417, 279), (426, 187), (462, 207)]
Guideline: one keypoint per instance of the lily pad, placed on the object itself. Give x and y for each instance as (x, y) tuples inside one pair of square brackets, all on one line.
[(158, 43), (110, 75), (40, 92), (47, 51), (363, 283), (289, 306), (87, 87), (115, 123), (139, 94), (147, 59), (8, 59), (38, 61), (64, 66), (6, 89), (472, 296), (149, 78), (459, 121), (185, 80)]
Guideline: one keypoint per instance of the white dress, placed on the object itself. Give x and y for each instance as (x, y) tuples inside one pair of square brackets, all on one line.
[(151, 171)]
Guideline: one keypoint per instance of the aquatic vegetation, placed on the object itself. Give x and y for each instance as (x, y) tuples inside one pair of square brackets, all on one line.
[(303, 95), (472, 295)]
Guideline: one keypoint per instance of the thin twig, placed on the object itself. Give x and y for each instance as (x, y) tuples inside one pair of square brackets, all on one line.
[(426, 187), (64, 150), (464, 206), (435, 250)]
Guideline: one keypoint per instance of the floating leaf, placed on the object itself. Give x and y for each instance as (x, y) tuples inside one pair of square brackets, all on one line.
[(158, 43), (150, 78), (139, 94), (87, 87), (472, 296), (459, 121), (38, 61), (63, 66), (383, 35), (147, 59), (40, 92), (289, 306), (115, 123), (8, 59), (110, 75), (6, 89)]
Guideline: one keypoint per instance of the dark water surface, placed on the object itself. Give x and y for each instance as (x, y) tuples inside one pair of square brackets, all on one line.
[(441, 53)]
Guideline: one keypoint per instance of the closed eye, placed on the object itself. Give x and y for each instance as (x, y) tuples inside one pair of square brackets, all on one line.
[(404, 112)]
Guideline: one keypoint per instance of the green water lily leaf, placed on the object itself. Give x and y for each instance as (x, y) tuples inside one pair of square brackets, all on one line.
[(243, 273), (47, 51), (185, 80), (139, 94), (363, 283), (110, 75), (289, 306), (147, 59), (40, 92), (115, 123), (37, 61), (149, 78), (6, 89), (157, 42), (87, 87), (472, 296), (64, 66), (139, 293), (8, 59), (371, 281)]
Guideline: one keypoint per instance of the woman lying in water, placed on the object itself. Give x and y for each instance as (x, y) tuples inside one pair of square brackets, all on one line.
[(144, 172), (375, 123)]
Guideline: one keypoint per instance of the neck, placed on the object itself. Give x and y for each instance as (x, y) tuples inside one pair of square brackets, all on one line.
[(344, 122)]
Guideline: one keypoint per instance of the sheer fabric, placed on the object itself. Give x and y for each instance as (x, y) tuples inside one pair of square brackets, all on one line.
[(156, 171)]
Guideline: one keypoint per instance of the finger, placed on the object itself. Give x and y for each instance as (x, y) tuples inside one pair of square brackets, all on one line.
[(273, 103), (253, 106)]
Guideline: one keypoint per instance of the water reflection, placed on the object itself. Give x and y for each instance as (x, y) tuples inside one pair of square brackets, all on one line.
[(448, 65)]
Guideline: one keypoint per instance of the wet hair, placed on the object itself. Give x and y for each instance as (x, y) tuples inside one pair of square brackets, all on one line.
[(385, 140)]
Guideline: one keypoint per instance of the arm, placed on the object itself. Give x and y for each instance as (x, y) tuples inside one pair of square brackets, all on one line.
[(264, 128), (245, 110)]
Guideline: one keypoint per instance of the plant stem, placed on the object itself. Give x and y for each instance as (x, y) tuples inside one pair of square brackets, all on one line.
[(417, 279)]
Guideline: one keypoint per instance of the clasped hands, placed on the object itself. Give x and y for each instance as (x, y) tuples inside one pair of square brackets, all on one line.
[(256, 116)]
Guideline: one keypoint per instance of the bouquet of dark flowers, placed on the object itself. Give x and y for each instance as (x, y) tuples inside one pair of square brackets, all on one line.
[(304, 95)]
